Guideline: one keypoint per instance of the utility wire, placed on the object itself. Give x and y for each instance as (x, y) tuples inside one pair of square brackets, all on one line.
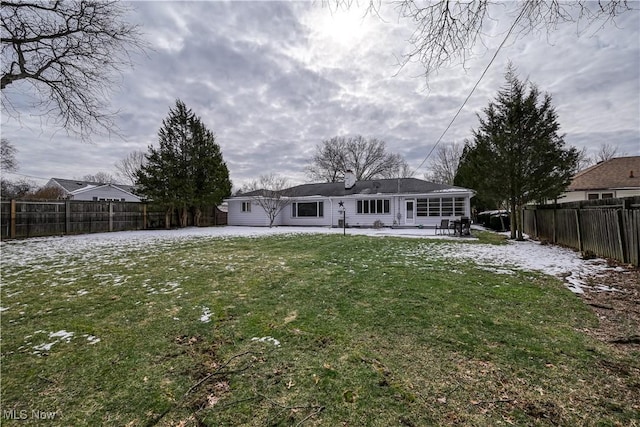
[(522, 12)]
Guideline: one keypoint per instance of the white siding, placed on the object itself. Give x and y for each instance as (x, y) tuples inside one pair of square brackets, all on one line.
[(332, 216), (105, 192), (257, 216)]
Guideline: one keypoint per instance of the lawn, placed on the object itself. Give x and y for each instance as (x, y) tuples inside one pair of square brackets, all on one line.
[(299, 330)]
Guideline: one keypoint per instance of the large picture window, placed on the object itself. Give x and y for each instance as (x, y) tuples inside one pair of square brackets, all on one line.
[(446, 206), (373, 206), (307, 209)]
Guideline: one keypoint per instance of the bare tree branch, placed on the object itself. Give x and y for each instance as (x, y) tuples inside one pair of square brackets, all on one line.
[(268, 193), (8, 156), (129, 166), (367, 158), (446, 32), (444, 166), (70, 54)]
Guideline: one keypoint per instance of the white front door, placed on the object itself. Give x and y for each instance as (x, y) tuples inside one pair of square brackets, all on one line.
[(410, 211)]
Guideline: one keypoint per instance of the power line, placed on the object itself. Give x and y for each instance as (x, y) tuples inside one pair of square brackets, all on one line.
[(474, 87)]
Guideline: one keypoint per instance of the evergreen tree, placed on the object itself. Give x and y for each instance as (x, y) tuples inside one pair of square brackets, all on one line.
[(186, 172), (517, 154)]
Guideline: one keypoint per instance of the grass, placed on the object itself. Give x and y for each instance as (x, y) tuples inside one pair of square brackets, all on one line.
[(301, 330)]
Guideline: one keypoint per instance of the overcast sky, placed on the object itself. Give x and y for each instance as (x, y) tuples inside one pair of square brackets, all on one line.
[(274, 79)]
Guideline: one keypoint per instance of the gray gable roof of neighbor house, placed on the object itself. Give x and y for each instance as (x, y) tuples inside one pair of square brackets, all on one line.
[(74, 185), (377, 186)]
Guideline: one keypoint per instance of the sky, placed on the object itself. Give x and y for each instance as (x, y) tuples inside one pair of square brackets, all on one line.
[(274, 79)]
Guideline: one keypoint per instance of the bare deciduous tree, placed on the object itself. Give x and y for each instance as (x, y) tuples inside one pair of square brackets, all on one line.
[(129, 166), (100, 177), (606, 152), (268, 193), (445, 164), (447, 32), (367, 158), (67, 54), (8, 156)]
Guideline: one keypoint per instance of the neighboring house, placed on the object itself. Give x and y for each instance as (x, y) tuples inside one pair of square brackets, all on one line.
[(618, 177), (393, 202), (94, 191)]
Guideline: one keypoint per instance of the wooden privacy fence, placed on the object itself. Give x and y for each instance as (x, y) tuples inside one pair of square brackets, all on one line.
[(608, 228), (23, 218)]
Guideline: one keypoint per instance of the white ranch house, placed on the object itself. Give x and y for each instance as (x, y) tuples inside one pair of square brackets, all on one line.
[(402, 202), (94, 191)]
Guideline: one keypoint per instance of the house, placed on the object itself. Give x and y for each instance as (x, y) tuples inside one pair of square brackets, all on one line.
[(94, 191), (393, 202), (614, 178)]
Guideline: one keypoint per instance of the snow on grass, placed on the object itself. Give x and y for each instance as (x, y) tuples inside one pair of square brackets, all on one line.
[(61, 336), (268, 340), (206, 315), (115, 248)]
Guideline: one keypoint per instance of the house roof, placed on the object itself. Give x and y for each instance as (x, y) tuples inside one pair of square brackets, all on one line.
[(616, 173), (378, 186), (75, 186)]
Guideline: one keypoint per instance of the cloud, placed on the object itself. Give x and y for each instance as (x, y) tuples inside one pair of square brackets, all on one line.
[(273, 79)]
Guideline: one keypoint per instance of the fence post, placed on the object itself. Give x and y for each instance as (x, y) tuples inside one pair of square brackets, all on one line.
[(620, 229), (578, 229), (553, 223), (110, 216), (12, 220), (67, 217), (144, 216)]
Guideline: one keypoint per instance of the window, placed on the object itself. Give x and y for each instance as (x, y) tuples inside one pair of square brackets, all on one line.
[(447, 206), (434, 207), (422, 207), (246, 207), (307, 209), (459, 206), (596, 196), (373, 206)]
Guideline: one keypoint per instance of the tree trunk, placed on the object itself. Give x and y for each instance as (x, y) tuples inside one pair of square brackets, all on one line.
[(197, 217), (167, 218), (519, 218), (184, 216), (512, 218)]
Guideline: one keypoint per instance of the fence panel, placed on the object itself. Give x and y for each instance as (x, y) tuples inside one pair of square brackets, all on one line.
[(47, 218), (600, 233), (39, 219), (545, 224), (608, 228), (567, 228)]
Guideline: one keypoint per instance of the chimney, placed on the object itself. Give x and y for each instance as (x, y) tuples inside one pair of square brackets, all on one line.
[(349, 179)]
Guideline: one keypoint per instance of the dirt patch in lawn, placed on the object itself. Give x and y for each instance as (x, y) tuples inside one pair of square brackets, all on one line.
[(618, 310)]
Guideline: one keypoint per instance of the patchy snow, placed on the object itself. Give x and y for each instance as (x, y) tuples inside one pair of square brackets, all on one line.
[(269, 340), (206, 315), (74, 254), (62, 336)]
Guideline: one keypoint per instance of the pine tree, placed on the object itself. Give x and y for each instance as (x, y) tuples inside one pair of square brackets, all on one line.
[(517, 154), (186, 172)]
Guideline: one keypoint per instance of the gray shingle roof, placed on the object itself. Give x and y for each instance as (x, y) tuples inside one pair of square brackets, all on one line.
[(378, 186), (71, 185)]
